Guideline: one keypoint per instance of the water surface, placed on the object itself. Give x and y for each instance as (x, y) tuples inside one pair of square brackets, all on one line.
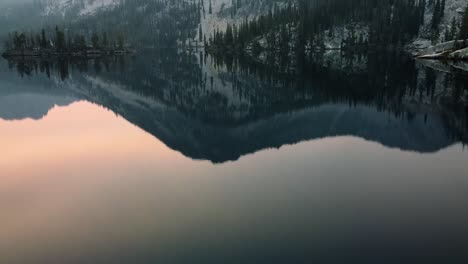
[(181, 158)]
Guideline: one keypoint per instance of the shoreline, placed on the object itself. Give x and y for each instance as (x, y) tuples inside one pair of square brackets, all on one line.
[(12, 54)]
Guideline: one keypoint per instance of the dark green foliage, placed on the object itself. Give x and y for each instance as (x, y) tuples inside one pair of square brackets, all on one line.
[(464, 25), (303, 23), (200, 34), (105, 40), (452, 33), (120, 42), (43, 42), (79, 42), (159, 23), (95, 40), (61, 42), (19, 41), (436, 15)]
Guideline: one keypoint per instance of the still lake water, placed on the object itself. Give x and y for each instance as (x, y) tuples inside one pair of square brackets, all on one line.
[(178, 158)]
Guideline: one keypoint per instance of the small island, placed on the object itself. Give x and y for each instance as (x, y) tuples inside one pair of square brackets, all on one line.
[(60, 44)]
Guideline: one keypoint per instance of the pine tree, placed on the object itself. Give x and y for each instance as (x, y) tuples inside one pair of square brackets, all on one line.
[(200, 34), (38, 41), (436, 15), (229, 38), (105, 40), (8, 44), (79, 43), (32, 42), (442, 9), (464, 26), (60, 44), (120, 41), (19, 41), (95, 40), (44, 42), (69, 42), (453, 31)]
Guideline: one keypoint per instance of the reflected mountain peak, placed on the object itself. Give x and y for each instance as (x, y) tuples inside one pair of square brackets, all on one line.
[(30, 106), (221, 108)]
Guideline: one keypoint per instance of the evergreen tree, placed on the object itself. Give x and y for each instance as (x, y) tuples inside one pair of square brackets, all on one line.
[(229, 38), (44, 42), (105, 40), (453, 29), (200, 34), (8, 44), (436, 15), (19, 41), (442, 8), (95, 40), (464, 25), (38, 41), (79, 43), (120, 41), (60, 43), (32, 42)]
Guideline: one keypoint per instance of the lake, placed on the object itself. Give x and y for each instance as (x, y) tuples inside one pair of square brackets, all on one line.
[(175, 157)]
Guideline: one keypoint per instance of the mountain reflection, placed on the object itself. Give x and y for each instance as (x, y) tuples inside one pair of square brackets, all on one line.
[(220, 109)]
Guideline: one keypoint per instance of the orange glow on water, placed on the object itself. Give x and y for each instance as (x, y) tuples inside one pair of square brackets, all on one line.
[(81, 135), (83, 178)]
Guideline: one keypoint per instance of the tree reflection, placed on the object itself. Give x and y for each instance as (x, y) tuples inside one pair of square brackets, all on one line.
[(234, 91), (63, 67)]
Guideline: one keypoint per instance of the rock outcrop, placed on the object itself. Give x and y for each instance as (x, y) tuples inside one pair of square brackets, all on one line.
[(451, 50)]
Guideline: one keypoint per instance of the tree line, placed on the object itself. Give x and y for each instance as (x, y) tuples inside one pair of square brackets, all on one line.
[(308, 24), (161, 23), (60, 41)]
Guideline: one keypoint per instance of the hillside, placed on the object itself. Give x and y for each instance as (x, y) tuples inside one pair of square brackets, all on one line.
[(224, 12), (144, 22), (75, 7), (453, 11), (331, 24)]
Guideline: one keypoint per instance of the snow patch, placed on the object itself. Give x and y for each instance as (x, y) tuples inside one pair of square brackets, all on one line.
[(80, 7)]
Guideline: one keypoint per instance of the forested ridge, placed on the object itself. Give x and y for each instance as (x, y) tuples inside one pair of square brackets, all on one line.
[(157, 23), (58, 42), (305, 24), (282, 26)]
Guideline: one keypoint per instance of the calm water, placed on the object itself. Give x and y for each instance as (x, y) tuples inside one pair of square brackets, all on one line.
[(177, 158)]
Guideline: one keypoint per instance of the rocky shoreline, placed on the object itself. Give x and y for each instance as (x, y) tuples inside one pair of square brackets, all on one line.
[(452, 50)]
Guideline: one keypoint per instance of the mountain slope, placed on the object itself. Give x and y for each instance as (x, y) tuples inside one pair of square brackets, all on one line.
[(76, 7), (167, 22), (225, 12), (144, 22), (453, 12)]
